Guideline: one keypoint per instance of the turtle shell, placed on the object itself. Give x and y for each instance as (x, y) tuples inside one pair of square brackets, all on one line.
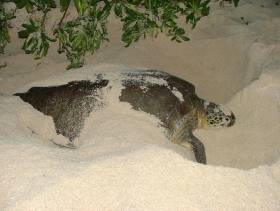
[(158, 93)]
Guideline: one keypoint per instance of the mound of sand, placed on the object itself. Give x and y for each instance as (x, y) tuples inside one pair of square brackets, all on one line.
[(125, 162)]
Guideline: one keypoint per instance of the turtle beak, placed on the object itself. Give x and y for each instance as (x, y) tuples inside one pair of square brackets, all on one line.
[(232, 119)]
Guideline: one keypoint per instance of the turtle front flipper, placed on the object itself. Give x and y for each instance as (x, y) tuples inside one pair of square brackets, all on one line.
[(181, 134), (188, 140), (197, 146)]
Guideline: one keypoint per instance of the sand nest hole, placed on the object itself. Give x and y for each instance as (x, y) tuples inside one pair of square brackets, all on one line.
[(254, 139)]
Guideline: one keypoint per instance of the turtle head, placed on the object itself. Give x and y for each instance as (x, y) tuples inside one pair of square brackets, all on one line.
[(216, 116)]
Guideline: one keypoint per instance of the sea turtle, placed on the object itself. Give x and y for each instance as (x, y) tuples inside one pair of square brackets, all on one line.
[(171, 99)]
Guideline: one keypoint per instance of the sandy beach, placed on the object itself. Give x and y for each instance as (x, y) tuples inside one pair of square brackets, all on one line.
[(124, 161)]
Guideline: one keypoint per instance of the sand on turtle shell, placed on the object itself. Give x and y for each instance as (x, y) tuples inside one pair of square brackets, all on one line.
[(125, 162)]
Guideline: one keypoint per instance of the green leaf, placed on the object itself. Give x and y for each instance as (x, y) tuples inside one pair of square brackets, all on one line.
[(118, 9), (75, 65), (30, 27), (23, 34), (45, 49), (235, 2), (185, 38), (52, 4), (79, 42), (29, 7), (180, 31), (20, 3), (134, 2), (104, 13), (81, 6), (64, 4)]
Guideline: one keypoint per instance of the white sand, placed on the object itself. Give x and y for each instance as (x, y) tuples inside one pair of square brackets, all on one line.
[(125, 162)]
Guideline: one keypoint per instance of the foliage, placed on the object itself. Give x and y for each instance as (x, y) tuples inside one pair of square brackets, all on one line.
[(86, 32), (36, 40), (4, 32)]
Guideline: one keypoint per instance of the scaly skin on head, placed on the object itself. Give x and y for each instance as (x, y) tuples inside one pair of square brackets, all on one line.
[(214, 116)]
